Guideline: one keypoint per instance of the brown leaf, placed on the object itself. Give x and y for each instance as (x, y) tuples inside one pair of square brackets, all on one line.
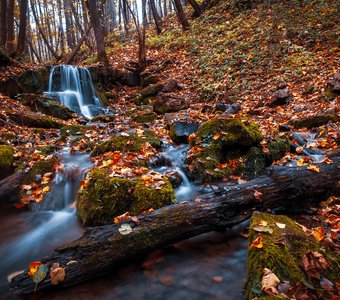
[(313, 263)]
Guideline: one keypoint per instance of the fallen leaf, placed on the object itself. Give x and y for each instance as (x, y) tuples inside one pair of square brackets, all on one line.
[(269, 282), (313, 168), (57, 275), (125, 229), (33, 267), (40, 274), (281, 225), (134, 219), (121, 218), (217, 279), (314, 263), (319, 233), (263, 223), (257, 243), (259, 228), (257, 195), (217, 136)]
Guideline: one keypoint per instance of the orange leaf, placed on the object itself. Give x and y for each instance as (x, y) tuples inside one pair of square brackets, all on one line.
[(217, 136), (314, 168), (319, 233), (263, 223), (191, 137), (257, 243), (33, 268), (121, 218)]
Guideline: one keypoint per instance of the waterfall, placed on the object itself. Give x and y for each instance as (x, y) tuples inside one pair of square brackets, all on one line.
[(72, 86)]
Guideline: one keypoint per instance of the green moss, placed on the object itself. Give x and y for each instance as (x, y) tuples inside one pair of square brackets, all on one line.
[(73, 130), (277, 149), (234, 133), (6, 156), (127, 143), (104, 118), (41, 167), (146, 198), (106, 197), (283, 258), (48, 149), (144, 116)]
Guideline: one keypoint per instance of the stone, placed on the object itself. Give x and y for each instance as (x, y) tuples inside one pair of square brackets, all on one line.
[(46, 105), (169, 103), (6, 161), (152, 90), (144, 116), (170, 86), (333, 86), (315, 121), (280, 97), (232, 109), (180, 131), (147, 79), (174, 177)]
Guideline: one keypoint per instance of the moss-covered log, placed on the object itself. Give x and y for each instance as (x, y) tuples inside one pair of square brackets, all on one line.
[(101, 249)]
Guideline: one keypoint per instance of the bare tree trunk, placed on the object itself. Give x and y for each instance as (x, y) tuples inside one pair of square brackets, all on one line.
[(181, 15), (77, 47), (10, 42), (156, 17), (165, 9), (196, 7), (98, 31), (22, 27), (3, 22)]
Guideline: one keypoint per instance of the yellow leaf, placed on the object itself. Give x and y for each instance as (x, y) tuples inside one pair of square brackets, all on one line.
[(257, 243), (301, 162), (33, 268), (319, 233), (314, 168), (263, 223), (217, 136), (46, 189)]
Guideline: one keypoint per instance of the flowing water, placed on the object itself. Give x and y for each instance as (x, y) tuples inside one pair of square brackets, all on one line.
[(72, 86), (27, 236)]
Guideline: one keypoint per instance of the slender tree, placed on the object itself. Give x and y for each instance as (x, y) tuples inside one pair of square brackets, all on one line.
[(98, 31), (22, 27), (156, 17), (181, 15), (3, 22), (196, 7), (10, 42)]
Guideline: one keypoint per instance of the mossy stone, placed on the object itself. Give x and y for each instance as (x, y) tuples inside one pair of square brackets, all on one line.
[(315, 121), (41, 167), (144, 116), (6, 156), (277, 149), (127, 143), (234, 133), (284, 259), (106, 197), (73, 130)]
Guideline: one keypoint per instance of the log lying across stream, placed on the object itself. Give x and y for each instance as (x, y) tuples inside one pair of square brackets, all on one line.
[(101, 249)]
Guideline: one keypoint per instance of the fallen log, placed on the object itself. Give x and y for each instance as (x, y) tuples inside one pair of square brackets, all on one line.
[(101, 249), (10, 188)]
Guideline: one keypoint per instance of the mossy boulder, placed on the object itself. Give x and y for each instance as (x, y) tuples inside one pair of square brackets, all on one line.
[(144, 116), (180, 130), (38, 170), (148, 80), (282, 253), (6, 160), (106, 197), (234, 133), (152, 90), (133, 143), (46, 105), (220, 149)]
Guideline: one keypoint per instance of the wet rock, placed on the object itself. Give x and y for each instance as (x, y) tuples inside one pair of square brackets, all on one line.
[(315, 121), (207, 108), (333, 86), (46, 105), (144, 116), (160, 160), (180, 130), (174, 177), (280, 97), (152, 90), (284, 128), (232, 109), (169, 103)]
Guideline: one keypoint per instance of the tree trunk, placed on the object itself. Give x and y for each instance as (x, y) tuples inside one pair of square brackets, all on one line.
[(3, 22), (77, 47), (196, 7), (10, 42), (181, 15), (98, 31), (156, 17), (102, 249), (22, 27)]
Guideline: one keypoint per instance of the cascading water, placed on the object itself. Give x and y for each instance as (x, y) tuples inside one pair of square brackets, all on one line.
[(72, 86), (26, 236)]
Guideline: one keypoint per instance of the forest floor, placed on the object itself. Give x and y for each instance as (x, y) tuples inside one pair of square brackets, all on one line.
[(228, 56)]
